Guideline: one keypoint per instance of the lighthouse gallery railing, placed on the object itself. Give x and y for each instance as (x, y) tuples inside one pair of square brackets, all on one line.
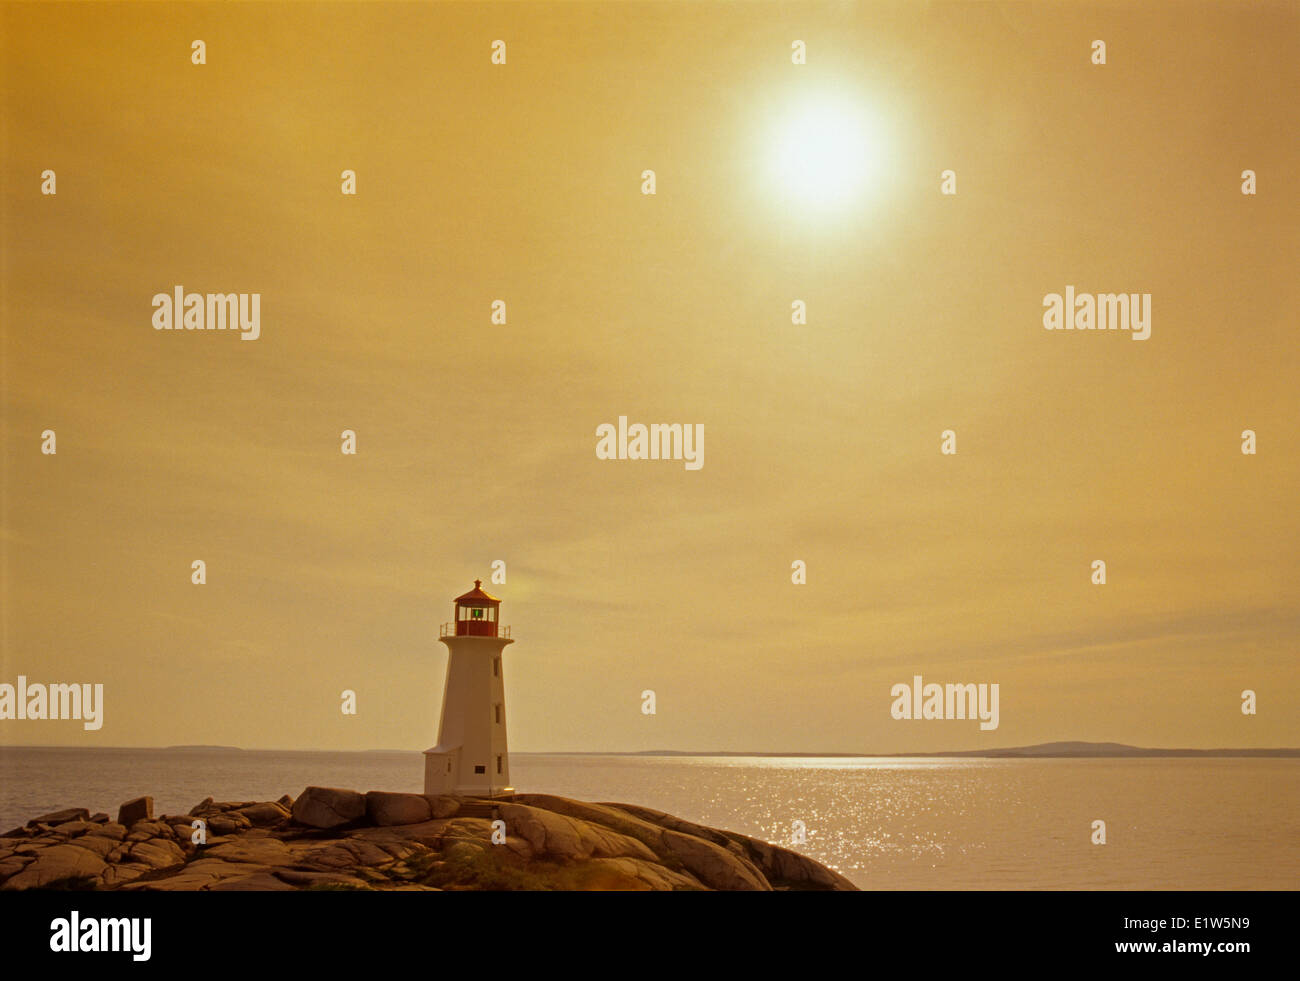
[(449, 630)]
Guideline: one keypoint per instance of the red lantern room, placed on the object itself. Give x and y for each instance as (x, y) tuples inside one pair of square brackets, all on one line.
[(477, 613)]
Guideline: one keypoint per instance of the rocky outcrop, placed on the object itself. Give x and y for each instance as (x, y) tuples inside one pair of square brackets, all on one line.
[(330, 838)]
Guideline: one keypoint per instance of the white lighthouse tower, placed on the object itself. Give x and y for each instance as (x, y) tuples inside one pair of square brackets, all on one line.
[(471, 758)]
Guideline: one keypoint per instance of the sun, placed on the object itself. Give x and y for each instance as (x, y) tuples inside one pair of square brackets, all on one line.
[(828, 153)]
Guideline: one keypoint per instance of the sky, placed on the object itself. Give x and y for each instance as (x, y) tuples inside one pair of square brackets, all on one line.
[(476, 441)]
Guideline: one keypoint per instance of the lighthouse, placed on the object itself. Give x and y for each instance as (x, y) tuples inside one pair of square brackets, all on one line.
[(471, 758)]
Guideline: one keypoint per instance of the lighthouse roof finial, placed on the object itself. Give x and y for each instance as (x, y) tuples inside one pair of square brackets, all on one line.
[(477, 594)]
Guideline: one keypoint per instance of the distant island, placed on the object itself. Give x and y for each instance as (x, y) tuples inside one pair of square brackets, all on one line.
[(207, 749)]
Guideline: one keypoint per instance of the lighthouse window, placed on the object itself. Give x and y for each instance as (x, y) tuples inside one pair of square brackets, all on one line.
[(496, 713), (496, 667), (481, 768), (498, 764), (476, 613)]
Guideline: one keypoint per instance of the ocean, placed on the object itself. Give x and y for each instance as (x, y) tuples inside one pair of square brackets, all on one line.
[(885, 823)]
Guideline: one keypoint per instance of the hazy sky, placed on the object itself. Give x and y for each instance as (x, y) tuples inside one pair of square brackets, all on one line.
[(476, 441)]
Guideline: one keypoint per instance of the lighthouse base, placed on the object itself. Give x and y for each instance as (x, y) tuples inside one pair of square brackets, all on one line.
[(443, 774)]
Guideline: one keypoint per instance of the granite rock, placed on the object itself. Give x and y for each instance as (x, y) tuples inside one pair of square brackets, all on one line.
[(330, 838)]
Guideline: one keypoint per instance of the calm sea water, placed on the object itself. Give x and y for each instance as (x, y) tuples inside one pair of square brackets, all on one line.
[(884, 823)]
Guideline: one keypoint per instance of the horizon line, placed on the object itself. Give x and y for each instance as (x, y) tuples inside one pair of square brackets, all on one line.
[(1069, 748)]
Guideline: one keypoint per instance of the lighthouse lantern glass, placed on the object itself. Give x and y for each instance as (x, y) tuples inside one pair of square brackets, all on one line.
[(476, 614)]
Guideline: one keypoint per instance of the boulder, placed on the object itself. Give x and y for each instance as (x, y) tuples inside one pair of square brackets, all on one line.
[(227, 824), (60, 817), (443, 806), (232, 805), (328, 807), (138, 809), (70, 829), (150, 829), (387, 809), (264, 815), (109, 830)]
